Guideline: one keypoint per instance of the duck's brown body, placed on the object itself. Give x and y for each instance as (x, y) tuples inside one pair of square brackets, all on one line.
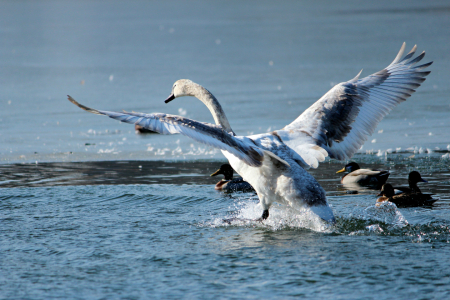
[(407, 199)]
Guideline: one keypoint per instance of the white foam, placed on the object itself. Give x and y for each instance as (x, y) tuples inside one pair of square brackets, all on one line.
[(280, 217), (387, 213)]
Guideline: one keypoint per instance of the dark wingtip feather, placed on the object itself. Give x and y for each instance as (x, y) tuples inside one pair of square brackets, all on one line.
[(88, 109), (409, 55), (421, 67), (417, 59), (424, 73)]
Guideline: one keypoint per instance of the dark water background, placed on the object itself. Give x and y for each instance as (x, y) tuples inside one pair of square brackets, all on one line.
[(90, 210)]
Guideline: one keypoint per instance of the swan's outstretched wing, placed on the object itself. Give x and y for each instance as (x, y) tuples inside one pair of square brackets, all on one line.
[(341, 121), (209, 134)]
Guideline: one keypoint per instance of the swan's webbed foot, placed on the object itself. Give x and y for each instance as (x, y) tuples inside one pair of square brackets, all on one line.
[(264, 216)]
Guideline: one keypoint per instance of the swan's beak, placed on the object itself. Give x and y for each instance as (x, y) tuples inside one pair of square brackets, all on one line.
[(341, 170), (171, 97), (216, 173)]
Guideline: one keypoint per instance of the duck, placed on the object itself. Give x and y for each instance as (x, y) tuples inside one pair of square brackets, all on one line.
[(275, 163), (407, 199), (414, 177), (229, 184), (364, 177)]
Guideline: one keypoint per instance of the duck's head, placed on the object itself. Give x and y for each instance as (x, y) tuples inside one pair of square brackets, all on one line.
[(181, 88), (350, 167), (414, 177), (387, 190), (226, 170)]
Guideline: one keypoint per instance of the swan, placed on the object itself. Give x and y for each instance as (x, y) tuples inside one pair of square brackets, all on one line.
[(276, 163), (229, 184), (365, 177)]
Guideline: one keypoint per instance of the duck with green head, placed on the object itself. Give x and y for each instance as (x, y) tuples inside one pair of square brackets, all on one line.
[(364, 177), (229, 184)]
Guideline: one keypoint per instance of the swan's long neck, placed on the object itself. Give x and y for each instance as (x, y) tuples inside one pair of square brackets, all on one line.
[(214, 107)]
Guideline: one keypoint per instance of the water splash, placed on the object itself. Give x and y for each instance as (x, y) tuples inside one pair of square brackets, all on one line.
[(246, 213)]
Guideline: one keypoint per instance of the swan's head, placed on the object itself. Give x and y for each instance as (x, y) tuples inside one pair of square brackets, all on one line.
[(182, 87)]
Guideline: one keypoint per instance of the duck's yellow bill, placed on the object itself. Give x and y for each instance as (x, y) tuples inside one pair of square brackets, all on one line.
[(216, 173), (341, 170)]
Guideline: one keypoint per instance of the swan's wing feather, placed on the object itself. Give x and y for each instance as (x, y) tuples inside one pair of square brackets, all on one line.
[(341, 121), (209, 134)]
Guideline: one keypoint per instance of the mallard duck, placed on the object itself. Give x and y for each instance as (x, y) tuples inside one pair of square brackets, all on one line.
[(275, 163), (363, 176), (413, 178), (229, 184), (406, 199)]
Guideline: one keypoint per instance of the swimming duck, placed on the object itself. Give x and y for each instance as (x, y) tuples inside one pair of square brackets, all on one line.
[(229, 184), (413, 178), (275, 163), (363, 176), (407, 199)]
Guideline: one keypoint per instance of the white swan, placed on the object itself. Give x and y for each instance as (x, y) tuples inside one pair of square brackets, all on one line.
[(274, 163)]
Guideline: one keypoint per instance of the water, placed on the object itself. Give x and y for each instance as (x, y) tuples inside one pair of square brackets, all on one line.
[(90, 210), (71, 230)]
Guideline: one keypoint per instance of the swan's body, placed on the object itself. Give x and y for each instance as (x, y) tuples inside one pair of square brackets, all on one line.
[(365, 177), (230, 184), (274, 163)]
